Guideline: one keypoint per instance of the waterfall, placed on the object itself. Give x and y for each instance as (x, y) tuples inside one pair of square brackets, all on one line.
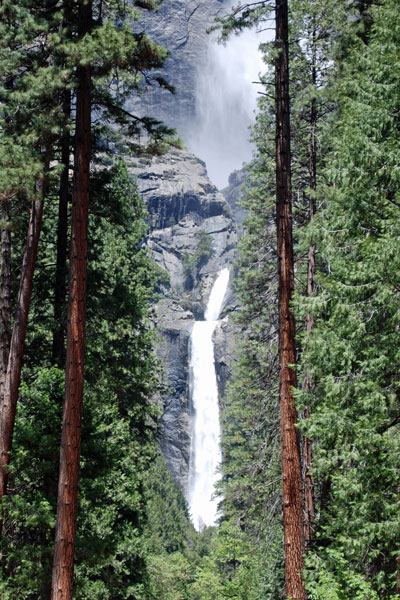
[(205, 452), (226, 98)]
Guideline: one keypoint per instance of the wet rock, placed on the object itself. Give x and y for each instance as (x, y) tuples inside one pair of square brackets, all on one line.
[(173, 348), (192, 237), (224, 353)]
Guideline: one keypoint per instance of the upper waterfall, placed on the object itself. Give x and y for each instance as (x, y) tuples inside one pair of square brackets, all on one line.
[(226, 98)]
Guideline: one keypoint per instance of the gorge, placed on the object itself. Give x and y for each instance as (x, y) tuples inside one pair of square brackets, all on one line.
[(199, 396), (193, 225)]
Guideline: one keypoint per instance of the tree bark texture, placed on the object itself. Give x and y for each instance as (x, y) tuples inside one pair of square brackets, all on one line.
[(13, 374), (307, 475), (67, 500), (291, 490), (60, 289), (5, 292)]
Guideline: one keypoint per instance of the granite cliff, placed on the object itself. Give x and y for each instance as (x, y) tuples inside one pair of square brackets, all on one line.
[(192, 237), (181, 27), (193, 226)]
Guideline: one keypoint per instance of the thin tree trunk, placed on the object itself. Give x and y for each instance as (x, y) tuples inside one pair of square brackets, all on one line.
[(67, 502), (60, 319), (307, 476), (291, 491), (397, 588), (13, 374), (5, 292), (60, 291)]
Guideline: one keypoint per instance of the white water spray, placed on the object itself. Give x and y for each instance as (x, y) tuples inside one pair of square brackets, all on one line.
[(226, 99), (205, 454)]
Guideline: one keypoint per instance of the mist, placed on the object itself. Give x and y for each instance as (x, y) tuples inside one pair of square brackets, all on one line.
[(226, 100)]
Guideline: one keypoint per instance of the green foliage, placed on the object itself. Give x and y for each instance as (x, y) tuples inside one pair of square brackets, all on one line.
[(27, 541), (351, 111), (40, 50), (134, 536), (248, 545), (339, 584), (170, 575), (168, 528), (352, 351), (119, 421)]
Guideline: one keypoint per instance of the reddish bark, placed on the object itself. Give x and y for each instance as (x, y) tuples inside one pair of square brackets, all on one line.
[(67, 502), (5, 293), (13, 374), (291, 492)]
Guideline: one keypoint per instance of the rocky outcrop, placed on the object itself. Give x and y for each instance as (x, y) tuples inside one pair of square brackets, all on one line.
[(181, 27), (192, 237), (234, 195), (175, 324), (192, 228)]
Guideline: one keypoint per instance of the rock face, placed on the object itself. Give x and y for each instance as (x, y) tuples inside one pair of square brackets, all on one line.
[(180, 26), (192, 225), (192, 237), (233, 194)]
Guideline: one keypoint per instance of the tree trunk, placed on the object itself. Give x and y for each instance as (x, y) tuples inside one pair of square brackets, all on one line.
[(291, 491), (67, 501), (13, 374), (307, 476), (60, 290), (397, 587), (5, 293)]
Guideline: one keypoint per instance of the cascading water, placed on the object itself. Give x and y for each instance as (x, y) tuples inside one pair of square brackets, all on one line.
[(226, 98), (205, 449)]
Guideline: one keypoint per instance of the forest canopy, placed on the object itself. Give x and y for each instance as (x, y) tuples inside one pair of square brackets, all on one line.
[(309, 480)]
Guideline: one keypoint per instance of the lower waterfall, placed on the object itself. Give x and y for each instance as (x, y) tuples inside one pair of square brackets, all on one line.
[(205, 452)]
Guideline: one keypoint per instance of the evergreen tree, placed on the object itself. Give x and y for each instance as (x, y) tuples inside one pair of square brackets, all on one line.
[(291, 498), (119, 421), (351, 352), (314, 29), (46, 52), (29, 81), (291, 474), (67, 501), (251, 471)]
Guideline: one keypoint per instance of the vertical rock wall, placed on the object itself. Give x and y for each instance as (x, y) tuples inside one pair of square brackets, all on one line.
[(193, 236), (193, 233), (181, 27)]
